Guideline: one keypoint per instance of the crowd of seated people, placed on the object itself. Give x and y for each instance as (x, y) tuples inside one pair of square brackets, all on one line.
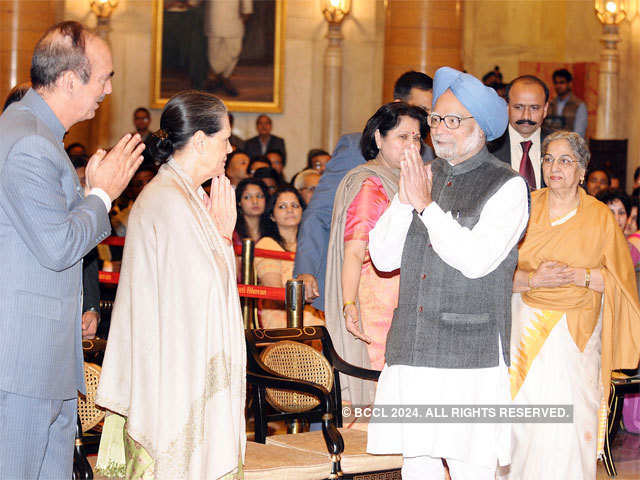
[(283, 214), (255, 169)]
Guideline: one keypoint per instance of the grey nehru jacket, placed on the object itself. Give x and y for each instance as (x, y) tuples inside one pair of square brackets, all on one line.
[(444, 319)]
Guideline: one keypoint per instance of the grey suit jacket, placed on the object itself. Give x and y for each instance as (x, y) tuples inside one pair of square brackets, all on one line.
[(46, 226)]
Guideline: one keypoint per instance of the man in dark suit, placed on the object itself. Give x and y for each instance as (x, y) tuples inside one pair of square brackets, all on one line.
[(520, 145), (264, 141)]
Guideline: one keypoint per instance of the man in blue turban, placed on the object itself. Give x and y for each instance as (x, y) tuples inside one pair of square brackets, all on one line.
[(453, 230)]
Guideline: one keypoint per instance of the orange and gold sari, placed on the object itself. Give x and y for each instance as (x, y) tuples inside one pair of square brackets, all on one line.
[(566, 340)]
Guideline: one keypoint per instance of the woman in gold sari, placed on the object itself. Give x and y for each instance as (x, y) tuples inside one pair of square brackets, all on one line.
[(174, 368), (575, 318)]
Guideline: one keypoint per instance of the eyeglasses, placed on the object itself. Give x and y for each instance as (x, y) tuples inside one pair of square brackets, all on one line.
[(451, 121), (565, 160)]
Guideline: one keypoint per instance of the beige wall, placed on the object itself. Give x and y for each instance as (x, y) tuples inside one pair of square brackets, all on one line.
[(495, 32), (630, 95), (506, 33), (299, 122)]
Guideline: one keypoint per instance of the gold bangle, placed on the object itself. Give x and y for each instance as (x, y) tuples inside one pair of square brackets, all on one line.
[(344, 305), (529, 279), (587, 277)]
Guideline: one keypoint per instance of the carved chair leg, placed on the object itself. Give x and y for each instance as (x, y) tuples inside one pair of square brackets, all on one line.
[(81, 468), (613, 418), (260, 422)]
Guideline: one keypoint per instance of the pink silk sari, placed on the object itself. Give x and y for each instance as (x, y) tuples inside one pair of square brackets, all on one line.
[(378, 291)]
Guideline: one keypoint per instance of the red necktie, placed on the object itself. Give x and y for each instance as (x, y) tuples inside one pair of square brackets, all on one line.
[(526, 167)]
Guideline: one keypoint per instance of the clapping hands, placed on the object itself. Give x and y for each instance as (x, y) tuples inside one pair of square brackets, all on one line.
[(111, 171)]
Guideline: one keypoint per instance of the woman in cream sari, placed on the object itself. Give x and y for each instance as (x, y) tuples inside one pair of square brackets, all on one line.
[(360, 300), (174, 369), (575, 318)]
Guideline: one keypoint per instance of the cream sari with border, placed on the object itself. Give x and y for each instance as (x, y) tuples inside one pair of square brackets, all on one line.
[(175, 360)]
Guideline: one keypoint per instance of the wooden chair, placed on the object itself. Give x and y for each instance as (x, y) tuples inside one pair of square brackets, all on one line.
[(621, 384), (312, 393), (89, 415)]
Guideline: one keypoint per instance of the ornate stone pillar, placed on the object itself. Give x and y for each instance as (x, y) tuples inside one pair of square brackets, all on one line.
[(609, 148), (332, 82), (100, 125), (334, 13), (421, 35), (606, 126)]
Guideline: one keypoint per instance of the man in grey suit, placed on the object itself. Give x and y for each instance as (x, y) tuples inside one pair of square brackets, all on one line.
[(414, 88), (48, 222), (520, 145)]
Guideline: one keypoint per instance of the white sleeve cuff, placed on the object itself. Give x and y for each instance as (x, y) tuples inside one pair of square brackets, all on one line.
[(431, 211), (103, 196), (404, 208)]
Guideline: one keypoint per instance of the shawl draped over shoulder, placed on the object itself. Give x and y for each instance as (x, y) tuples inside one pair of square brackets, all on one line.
[(351, 349), (175, 360), (590, 239)]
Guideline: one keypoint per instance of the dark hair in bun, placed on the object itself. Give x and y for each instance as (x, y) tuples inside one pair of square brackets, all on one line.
[(183, 115)]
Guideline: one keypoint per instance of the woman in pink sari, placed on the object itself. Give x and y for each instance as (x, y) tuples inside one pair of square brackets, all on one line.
[(360, 300)]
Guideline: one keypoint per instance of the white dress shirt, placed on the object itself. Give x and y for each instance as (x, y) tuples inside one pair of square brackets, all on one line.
[(102, 195), (534, 152)]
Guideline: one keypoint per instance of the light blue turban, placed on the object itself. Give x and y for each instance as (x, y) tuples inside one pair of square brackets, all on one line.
[(486, 106)]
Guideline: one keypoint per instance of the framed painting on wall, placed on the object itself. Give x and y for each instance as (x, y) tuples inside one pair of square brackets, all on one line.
[(231, 48)]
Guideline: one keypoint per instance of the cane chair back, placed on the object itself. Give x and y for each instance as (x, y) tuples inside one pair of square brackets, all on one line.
[(90, 415), (301, 362)]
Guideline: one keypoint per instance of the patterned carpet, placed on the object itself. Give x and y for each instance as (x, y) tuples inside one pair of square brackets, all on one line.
[(626, 453)]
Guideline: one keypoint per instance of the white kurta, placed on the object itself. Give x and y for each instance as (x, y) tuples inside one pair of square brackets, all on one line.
[(475, 253)]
